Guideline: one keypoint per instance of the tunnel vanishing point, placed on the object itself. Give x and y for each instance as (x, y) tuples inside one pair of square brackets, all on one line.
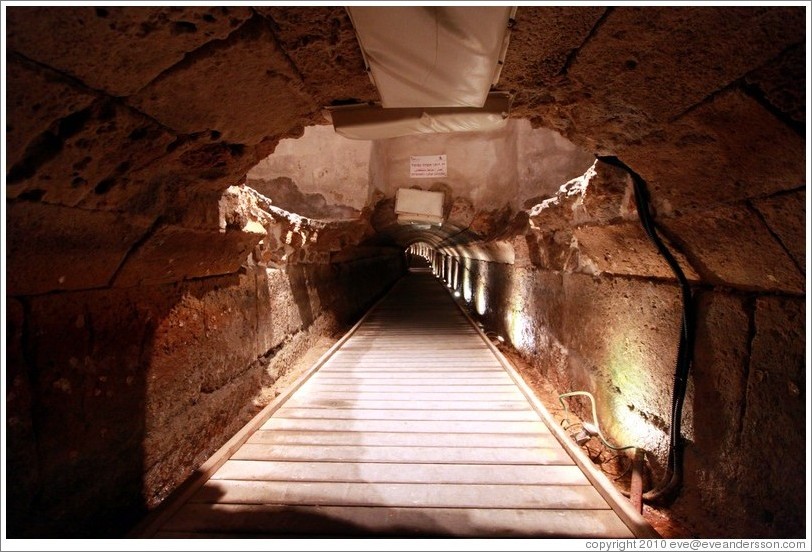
[(185, 225)]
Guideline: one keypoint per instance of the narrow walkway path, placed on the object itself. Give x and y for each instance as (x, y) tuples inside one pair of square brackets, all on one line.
[(412, 427)]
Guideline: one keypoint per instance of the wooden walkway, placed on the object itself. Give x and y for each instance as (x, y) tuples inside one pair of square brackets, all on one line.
[(412, 426)]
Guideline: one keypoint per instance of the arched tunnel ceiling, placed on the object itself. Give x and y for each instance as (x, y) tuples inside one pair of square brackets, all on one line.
[(707, 104)]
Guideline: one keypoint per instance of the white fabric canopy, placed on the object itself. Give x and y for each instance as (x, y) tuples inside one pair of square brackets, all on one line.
[(432, 56), (366, 122)]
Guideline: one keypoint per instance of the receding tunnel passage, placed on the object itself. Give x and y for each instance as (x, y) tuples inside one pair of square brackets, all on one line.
[(200, 202), (412, 427)]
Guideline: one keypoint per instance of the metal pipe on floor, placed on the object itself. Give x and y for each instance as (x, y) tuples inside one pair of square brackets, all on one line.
[(636, 487)]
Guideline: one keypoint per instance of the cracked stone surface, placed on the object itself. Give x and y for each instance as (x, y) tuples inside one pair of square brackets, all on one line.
[(152, 296)]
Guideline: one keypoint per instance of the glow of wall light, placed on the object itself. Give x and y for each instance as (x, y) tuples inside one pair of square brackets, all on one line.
[(467, 287), (520, 331), (481, 297), (629, 371)]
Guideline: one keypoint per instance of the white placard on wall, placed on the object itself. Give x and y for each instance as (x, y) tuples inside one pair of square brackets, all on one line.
[(428, 166)]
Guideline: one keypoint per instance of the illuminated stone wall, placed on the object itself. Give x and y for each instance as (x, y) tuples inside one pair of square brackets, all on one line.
[(591, 306)]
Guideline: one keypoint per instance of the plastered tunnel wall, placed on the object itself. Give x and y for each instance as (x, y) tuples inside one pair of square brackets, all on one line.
[(152, 299)]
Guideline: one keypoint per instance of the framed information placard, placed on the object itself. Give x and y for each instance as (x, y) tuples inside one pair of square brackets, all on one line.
[(428, 166)]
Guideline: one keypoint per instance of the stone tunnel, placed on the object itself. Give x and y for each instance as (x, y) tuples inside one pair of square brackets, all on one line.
[(186, 232)]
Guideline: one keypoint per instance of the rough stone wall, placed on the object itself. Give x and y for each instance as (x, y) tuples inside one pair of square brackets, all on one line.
[(591, 306), (117, 394), (125, 125)]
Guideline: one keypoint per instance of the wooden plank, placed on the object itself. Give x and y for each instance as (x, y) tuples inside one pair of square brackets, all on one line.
[(415, 396), (470, 474), (391, 414), (232, 520), (393, 495), (357, 452), (414, 387), (407, 426), (405, 378), (402, 404), (395, 367), (372, 439)]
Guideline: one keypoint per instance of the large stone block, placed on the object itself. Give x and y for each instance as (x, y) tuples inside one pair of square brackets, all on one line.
[(727, 149), (22, 464), (134, 388), (59, 248), (281, 308), (661, 61), (786, 217), (624, 249), (187, 180), (774, 427), (781, 81), (90, 153), (86, 351), (732, 246), (175, 253), (719, 374), (321, 42), (205, 340), (114, 48), (35, 98), (542, 41), (243, 87), (622, 334), (172, 452)]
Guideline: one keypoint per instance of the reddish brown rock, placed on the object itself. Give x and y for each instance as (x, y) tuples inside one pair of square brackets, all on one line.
[(36, 97), (602, 195), (58, 248), (773, 425), (622, 337), (664, 61), (213, 318), (781, 81), (786, 217), (728, 149), (91, 152), (21, 445), (542, 42), (113, 48), (733, 247), (624, 249), (244, 88), (174, 253), (719, 372), (321, 42), (88, 348)]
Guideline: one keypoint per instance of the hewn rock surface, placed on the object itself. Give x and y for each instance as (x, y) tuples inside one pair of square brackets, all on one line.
[(151, 297)]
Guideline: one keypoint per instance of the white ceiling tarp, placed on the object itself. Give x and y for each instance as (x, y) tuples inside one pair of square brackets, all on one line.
[(370, 122), (432, 56)]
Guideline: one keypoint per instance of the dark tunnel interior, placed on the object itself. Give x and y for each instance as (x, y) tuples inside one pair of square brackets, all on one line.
[(186, 231)]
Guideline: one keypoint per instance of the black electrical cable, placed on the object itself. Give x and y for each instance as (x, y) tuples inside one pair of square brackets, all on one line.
[(672, 478)]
